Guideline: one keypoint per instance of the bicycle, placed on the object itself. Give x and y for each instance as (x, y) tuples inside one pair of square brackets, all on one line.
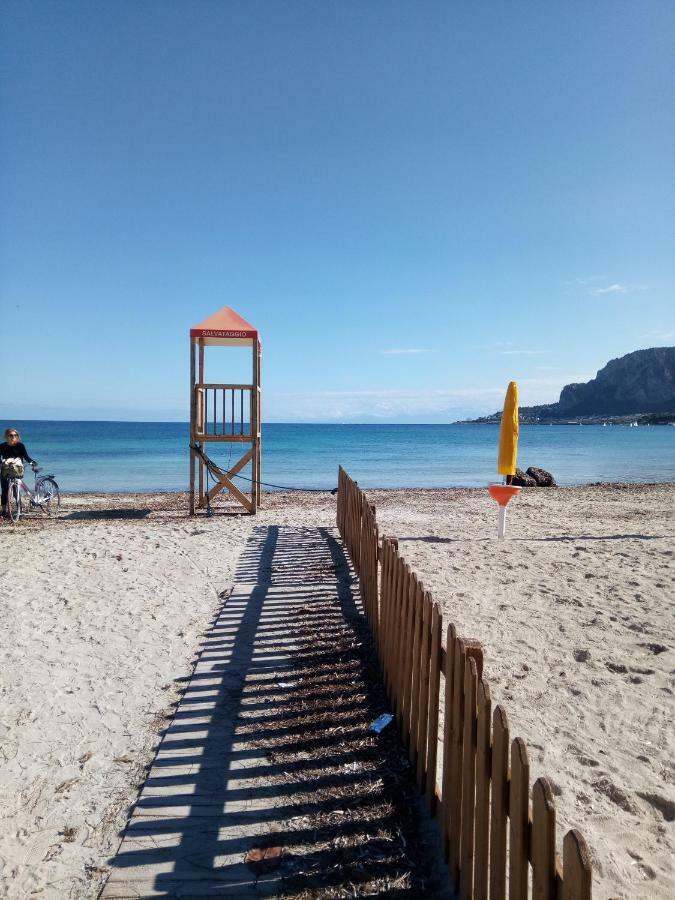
[(45, 494)]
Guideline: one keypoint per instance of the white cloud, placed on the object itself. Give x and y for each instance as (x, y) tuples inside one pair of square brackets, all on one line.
[(583, 282), (611, 289), (659, 336), (404, 352), (407, 405), (548, 383), (385, 405), (619, 289), (522, 352)]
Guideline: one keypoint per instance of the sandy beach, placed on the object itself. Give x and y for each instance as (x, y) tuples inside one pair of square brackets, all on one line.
[(104, 605)]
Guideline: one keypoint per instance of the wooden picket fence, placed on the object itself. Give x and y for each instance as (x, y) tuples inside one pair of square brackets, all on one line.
[(497, 841)]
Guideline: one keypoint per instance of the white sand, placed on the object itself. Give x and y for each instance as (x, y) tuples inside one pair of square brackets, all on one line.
[(575, 611), (92, 644)]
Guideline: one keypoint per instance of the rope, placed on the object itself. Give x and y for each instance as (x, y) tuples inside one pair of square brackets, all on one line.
[(209, 511), (286, 487), (213, 468), (209, 463)]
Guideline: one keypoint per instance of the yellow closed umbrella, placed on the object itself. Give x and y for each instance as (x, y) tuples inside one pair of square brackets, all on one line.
[(507, 456), (508, 433)]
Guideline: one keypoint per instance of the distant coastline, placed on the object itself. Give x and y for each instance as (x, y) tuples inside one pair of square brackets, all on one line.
[(636, 389), (526, 419)]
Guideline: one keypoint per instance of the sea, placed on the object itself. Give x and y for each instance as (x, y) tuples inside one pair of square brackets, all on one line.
[(153, 456)]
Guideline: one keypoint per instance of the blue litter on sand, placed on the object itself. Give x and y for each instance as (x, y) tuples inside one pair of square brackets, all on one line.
[(381, 722)]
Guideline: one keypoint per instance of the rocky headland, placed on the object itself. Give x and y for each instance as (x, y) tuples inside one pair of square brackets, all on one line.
[(638, 387)]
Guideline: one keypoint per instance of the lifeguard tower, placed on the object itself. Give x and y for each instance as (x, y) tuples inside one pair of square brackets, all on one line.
[(223, 413)]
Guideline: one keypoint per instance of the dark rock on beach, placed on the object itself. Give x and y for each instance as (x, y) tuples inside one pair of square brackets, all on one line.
[(534, 477), (541, 477), (521, 479)]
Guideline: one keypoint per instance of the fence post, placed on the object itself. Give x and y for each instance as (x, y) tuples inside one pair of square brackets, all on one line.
[(374, 586), (519, 818), (500, 804), (434, 691), (416, 666), (423, 699), (387, 651), (356, 558), (398, 637), (350, 520), (396, 633), (406, 701), (448, 786), (468, 777), (456, 759), (482, 839), (577, 870), (402, 643), (543, 841), (385, 592), (361, 506)]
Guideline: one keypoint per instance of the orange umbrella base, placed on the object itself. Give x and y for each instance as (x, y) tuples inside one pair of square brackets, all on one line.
[(502, 493)]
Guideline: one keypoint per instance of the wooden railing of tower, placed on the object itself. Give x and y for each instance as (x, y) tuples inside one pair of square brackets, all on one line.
[(498, 836), (224, 412)]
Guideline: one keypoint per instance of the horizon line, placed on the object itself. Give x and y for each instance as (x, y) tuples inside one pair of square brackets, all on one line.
[(186, 422)]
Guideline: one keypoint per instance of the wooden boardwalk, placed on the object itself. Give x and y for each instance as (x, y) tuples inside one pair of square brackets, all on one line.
[(268, 781)]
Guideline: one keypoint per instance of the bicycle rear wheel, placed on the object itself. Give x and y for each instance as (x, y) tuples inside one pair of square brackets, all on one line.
[(48, 492), (14, 500)]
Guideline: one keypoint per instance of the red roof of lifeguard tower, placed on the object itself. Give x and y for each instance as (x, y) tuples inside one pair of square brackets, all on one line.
[(225, 326)]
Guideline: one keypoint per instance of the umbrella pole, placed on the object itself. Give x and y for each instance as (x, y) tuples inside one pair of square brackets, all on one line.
[(502, 494), (501, 523)]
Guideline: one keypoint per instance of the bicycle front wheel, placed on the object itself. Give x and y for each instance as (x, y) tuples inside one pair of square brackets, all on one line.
[(14, 500), (47, 490)]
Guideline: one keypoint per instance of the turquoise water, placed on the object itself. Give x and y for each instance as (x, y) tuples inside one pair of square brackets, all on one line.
[(151, 456)]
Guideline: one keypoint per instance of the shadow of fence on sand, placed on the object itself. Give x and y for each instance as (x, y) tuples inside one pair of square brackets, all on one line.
[(106, 514), (268, 782), (435, 539)]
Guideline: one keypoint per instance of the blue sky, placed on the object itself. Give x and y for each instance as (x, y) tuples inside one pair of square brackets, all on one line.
[(414, 202)]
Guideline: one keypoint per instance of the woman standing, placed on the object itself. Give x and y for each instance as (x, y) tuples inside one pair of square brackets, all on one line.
[(11, 449)]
